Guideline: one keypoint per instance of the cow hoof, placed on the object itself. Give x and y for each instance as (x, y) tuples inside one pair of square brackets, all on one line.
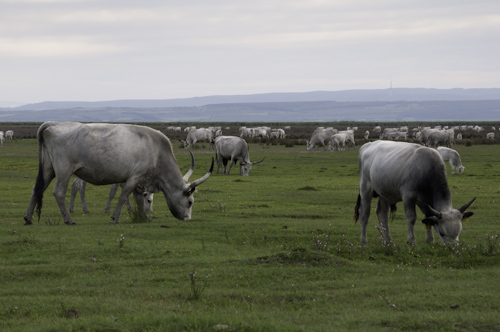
[(70, 223)]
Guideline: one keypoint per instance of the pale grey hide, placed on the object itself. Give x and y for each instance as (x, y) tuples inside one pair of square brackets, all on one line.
[(319, 137), (415, 175), (145, 204), (199, 135), (438, 138), (9, 135), (233, 149), (337, 142), (451, 156), (103, 154)]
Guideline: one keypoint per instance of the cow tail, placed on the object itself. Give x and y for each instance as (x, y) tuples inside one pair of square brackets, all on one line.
[(356, 209), (40, 182)]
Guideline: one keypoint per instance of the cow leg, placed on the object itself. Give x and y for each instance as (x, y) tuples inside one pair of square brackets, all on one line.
[(60, 188), (429, 234), (127, 189), (383, 208), (82, 198), (365, 199), (112, 193), (411, 217), (230, 165), (75, 188)]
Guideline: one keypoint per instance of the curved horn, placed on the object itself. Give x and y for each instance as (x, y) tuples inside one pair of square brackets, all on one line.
[(434, 212), (256, 162), (189, 189), (466, 205), (188, 174)]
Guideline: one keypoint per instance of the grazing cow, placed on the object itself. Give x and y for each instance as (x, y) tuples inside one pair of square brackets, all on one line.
[(437, 138), (389, 133), (349, 138), (367, 134), (79, 185), (413, 174), (452, 157), (490, 136), (9, 134), (459, 137), (319, 136), (337, 142), (234, 149), (200, 134), (140, 157)]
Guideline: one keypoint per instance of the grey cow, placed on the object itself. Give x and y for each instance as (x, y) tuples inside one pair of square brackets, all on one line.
[(103, 154), (233, 149), (415, 175)]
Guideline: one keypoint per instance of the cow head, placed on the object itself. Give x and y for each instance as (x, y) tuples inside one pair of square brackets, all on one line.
[(180, 202), (448, 225), (246, 167)]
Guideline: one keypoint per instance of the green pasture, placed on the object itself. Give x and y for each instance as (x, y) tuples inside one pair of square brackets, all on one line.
[(274, 251)]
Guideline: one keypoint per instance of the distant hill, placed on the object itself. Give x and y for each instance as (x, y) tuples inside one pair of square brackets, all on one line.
[(351, 105)]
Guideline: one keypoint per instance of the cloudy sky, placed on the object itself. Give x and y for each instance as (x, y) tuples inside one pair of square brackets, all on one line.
[(95, 50)]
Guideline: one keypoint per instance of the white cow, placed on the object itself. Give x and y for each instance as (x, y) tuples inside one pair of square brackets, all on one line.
[(452, 157), (140, 157), (198, 135), (349, 138), (319, 136), (233, 149), (490, 136), (79, 186), (337, 142), (9, 134), (1, 138), (367, 134), (413, 174)]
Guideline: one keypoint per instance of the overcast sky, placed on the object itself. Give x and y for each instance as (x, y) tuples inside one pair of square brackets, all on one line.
[(95, 50)]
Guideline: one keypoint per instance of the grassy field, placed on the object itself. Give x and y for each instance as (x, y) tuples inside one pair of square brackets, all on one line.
[(275, 251)]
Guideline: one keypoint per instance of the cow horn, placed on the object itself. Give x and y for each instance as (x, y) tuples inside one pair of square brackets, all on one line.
[(434, 212), (256, 162), (204, 178), (188, 174), (466, 205)]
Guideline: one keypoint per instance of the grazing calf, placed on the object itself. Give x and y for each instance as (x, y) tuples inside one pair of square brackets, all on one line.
[(415, 175), (79, 186), (452, 157)]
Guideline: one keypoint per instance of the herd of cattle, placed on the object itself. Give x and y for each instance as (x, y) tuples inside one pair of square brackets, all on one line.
[(8, 135), (141, 160)]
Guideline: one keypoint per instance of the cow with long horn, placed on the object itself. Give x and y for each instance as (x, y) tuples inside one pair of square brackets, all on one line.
[(415, 175), (140, 157), (233, 149)]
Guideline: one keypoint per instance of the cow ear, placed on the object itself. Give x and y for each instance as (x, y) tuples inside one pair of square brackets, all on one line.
[(431, 221), (466, 216), (190, 191)]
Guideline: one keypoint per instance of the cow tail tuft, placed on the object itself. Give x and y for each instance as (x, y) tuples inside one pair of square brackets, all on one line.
[(356, 209)]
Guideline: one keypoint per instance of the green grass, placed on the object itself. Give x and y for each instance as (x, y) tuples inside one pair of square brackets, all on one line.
[(274, 251)]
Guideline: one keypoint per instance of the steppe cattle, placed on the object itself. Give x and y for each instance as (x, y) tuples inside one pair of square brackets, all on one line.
[(246, 132), (377, 129), (349, 138), (367, 134), (9, 134), (101, 154), (389, 133), (437, 138), (451, 156), (424, 134), (402, 134), (490, 136), (413, 174), (198, 135), (79, 186), (319, 136), (233, 149), (337, 142), (1, 138), (459, 137)]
